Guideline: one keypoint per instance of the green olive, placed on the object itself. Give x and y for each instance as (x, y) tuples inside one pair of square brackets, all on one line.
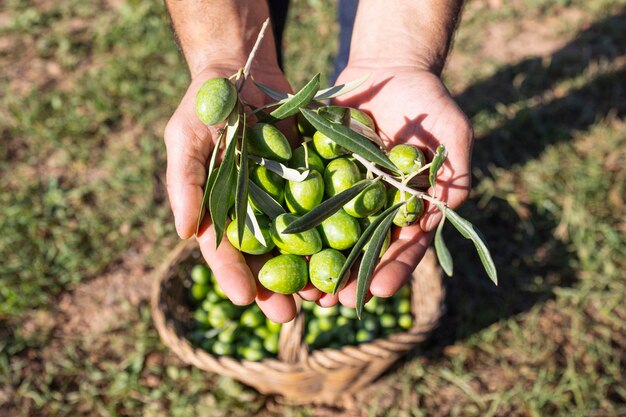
[(217, 318), (304, 126), (284, 274), (272, 326), (201, 274), (326, 323), (301, 197), (363, 118), (198, 292), (324, 268), (223, 348), (410, 212), (340, 231), (407, 158), (303, 243), (201, 318), (268, 181), (215, 100), (326, 147), (371, 305), (270, 343), (320, 311), (315, 161), (363, 336), (347, 312), (403, 306), (250, 243), (405, 321), (339, 175), (228, 334), (267, 141), (252, 317), (388, 321), (368, 202)]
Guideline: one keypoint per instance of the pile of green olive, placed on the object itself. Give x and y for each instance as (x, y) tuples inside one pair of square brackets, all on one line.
[(318, 254), (337, 326), (223, 329)]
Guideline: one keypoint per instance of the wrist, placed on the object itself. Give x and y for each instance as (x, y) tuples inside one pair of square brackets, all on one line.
[(413, 34), (221, 33)]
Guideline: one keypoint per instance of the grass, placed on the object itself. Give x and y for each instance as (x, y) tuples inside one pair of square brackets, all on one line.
[(86, 91)]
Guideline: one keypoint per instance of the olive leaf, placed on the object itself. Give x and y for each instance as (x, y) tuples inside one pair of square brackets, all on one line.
[(419, 182), (299, 100), (253, 224), (349, 139), (285, 172), (443, 254), (220, 200), (438, 160), (241, 193), (327, 208), (211, 174), (370, 259), (344, 274), (266, 203), (275, 94), (339, 90), (366, 131), (469, 231)]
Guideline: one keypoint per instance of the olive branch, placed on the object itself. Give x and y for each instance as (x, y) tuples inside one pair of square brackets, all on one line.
[(228, 185)]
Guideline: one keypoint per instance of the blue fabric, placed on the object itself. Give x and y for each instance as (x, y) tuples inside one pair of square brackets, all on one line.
[(346, 13)]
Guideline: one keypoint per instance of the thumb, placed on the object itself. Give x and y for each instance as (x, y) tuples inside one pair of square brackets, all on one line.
[(188, 143)]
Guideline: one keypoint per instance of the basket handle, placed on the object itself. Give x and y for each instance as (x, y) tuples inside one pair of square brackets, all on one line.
[(291, 347)]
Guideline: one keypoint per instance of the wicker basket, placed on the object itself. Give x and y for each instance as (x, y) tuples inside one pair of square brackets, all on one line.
[(297, 375)]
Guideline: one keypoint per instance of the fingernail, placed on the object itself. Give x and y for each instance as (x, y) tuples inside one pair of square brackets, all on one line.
[(178, 224)]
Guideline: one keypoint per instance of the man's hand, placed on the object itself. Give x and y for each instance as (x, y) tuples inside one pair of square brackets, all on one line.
[(412, 106), (216, 38), (403, 45)]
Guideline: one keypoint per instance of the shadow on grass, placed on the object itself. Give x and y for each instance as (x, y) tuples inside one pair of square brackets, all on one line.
[(531, 260)]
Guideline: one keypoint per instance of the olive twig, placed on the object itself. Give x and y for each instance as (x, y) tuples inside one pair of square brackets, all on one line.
[(255, 48), (392, 181)]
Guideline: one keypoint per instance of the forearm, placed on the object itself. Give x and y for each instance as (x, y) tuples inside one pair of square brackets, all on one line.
[(404, 33), (220, 32)]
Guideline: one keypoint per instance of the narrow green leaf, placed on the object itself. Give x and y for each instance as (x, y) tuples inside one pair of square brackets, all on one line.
[(211, 174), (339, 90), (443, 254), (275, 94), (266, 203), (299, 100), (469, 231), (253, 224), (290, 174), (327, 208), (221, 199), (438, 160), (344, 274), (349, 139), (370, 259), (366, 131), (241, 194)]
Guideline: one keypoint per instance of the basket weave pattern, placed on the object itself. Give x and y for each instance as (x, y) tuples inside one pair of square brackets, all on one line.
[(299, 376)]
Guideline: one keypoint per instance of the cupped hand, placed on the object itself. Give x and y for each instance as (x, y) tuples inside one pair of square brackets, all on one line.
[(189, 145), (411, 106)]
